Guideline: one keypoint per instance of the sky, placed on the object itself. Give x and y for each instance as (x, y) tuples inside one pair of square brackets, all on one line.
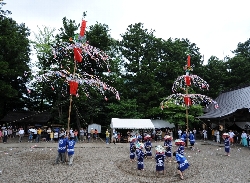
[(215, 26)]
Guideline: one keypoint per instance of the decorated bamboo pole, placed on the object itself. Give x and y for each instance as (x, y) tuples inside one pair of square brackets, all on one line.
[(70, 99)]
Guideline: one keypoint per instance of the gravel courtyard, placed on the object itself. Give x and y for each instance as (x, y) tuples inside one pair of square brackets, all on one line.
[(100, 162)]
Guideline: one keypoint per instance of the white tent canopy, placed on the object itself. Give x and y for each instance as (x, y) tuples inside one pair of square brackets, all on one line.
[(162, 124), (94, 126), (118, 123)]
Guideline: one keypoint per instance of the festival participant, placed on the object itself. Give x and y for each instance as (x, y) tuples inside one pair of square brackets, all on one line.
[(132, 149), (30, 135), (1, 134), (148, 146), (217, 136), (61, 149), (226, 137), (70, 149), (168, 147), (191, 140), (184, 136), (140, 155), (159, 158), (244, 138), (5, 135), (180, 143), (21, 134), (204, 132), (182, 164), (81, 135), (107, 136), (231, 137)]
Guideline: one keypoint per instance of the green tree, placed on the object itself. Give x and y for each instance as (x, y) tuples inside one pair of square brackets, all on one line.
[(14, 60)]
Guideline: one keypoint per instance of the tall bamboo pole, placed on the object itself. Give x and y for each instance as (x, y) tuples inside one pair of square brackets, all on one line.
[(70, 99), (187, 117)]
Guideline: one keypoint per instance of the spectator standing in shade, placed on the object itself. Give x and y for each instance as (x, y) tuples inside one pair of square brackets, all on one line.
[(5, 135), (39, 134), (81, 135), (21, 134)]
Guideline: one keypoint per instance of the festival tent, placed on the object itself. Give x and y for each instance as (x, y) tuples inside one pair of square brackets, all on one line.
[(118, 123), (162, 123), (94, 126)]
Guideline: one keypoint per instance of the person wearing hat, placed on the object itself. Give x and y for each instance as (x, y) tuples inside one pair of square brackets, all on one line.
[(140, 156), (159, 158), (226, 137), (180, 143), (132, 149), (168, 147), (148, 146)]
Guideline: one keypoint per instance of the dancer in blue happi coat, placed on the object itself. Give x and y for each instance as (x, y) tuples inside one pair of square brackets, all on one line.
[(61, 150), (180, 143), (226, 136), (148, 146), (140, 156), (71, 149), (191, 140), (159, 158), (168, 147), (182, 164), (132, 149)]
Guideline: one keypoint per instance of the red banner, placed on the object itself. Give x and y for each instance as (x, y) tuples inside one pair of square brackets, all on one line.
[(188, 80), (73, 86), (78, 54), (83, 27), (187, 101), (188, 61)]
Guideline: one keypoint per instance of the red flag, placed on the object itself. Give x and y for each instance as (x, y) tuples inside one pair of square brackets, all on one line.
[(78, 54), (188, 61), (83, 26), (73, 86), (188, 80), (187, 101)]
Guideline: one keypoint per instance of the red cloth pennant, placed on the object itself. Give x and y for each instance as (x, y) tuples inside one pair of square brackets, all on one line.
[(187, 101), (83, 27), (78, 54), (73, 86), (188, 80)]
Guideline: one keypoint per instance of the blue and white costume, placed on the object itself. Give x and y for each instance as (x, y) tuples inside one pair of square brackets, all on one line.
[(182, 161), (168, 145), (227, 145), (132, 150), (159, 158), (140, 157), (180, 150), (191, 139), (148, 147)]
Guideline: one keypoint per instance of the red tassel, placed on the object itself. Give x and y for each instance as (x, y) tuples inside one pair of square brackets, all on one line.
[(78, 54), (188, 80), (188, 61), (187, 101), (73, 86), (83, 27)]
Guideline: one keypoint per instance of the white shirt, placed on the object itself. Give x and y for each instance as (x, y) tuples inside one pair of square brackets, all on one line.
[(194, 131), (21, 132), (179, 132), (204, 132), (231, 134), (244, 135)]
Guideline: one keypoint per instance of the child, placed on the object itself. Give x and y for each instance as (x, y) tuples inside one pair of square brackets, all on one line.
[(180, 144), (191, 140), (182, 164), (61, 150), (30, 136), (168, 147), (140, 156), (148, 146), (226, 136), (70, 149), (132, 149), (159, 158)]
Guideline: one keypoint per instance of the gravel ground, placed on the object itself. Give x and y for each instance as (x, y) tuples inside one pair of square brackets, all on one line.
[(100, 162)]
